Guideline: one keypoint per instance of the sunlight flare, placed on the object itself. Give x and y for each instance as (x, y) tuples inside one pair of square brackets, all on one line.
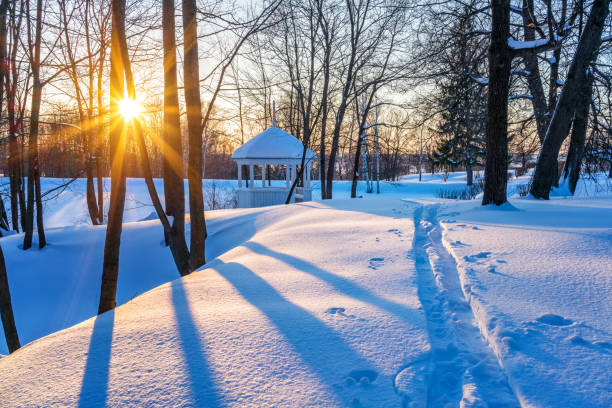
[(130, 109)]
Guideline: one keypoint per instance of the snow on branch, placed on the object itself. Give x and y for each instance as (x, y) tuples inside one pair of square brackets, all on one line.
[(520, 96), (520, 71), (605, 126), (482, 81), (525, 45), (534, 46)]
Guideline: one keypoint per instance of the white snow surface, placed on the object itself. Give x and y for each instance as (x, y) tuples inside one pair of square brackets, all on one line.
[(538, 276), (393, 300)]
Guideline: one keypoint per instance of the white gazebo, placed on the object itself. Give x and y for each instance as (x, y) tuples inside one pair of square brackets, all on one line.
[(274, 147)]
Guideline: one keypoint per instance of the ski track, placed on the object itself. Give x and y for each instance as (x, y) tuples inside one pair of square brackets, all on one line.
[(461, 370)]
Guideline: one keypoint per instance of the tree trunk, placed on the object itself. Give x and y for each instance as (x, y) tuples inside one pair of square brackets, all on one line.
[(40, 227), (324, 109), (571, 171), (178, 245), (174, 187), (546, 166), (322, 145), (92, 204), (191, 78), (500, 58), (110, 268), (99, 137), (14, 163), (470, 174), (90, 129), (534, 81), (356, 167), (8, 72), (34, 194), (6, 309), (176, 236)]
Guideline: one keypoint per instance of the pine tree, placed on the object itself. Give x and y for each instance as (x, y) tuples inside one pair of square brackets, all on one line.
[(462, 101)]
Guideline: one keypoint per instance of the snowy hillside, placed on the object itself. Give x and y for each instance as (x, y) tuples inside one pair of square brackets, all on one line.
[(398, 300)]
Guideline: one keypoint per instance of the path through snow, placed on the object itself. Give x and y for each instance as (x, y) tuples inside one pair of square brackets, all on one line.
[(461, 369)]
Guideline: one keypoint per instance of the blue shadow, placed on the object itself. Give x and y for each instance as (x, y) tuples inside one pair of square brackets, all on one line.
[(94, 388), (322, 349), (338, 282), (203, 388)]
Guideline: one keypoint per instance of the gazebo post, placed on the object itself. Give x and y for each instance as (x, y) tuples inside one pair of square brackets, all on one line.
[(251, 176), (239, 175), (263, 175), (307, 181), (287, 171)]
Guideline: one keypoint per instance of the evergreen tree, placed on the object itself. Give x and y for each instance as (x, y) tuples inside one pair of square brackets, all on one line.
[(461, 98)]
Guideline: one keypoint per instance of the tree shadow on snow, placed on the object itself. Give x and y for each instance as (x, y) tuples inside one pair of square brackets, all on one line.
[(203, 388), (94, 388), (326, 353), (341, 284)]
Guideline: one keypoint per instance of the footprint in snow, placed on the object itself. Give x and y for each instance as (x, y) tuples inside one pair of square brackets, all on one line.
[(601, 346), (459, 244), (475, 258), (410, 383), (376, 263), (362, 378), (554, 320), (340, 311), (395, 231)]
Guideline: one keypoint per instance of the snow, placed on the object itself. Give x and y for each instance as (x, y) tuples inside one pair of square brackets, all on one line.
[(398, 299), (520, 71), (272, 143), (483, 81), (540, 284), (520, 96), (522, 45)]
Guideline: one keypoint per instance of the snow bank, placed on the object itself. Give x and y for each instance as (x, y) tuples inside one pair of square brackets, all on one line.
[(316, 307), (540, 284)]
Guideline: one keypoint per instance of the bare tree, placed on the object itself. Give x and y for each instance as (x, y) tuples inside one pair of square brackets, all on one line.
[(575, 85), (34, 193), (193, 106), (6, 309), (174, 187), (110, 267)]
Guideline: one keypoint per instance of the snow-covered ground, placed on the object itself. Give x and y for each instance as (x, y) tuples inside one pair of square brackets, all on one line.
[(400, 299)]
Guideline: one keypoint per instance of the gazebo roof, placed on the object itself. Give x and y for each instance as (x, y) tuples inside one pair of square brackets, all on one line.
[(273, 144)]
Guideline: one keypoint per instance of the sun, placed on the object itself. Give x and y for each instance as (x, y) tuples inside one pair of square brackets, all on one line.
[(129, 109)]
